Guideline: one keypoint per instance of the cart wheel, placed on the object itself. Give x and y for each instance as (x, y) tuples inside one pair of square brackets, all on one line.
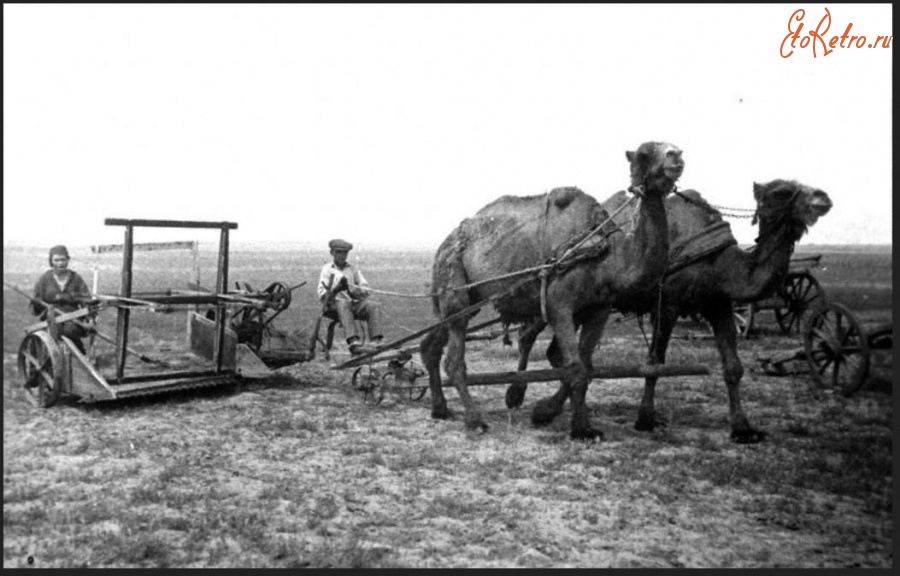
[(743, 319), (40, 364), (837, 349), (802, 295), (405, 386), (367, 380)]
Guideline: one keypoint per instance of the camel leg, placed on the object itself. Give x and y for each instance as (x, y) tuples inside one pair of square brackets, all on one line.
[(591, 333), (647, 419), (455, 365), (431, 350), (547, 409), (720, 316), (575, 378), (515, 394)]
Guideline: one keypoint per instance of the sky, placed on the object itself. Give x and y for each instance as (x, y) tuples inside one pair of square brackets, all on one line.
[(388, 124)]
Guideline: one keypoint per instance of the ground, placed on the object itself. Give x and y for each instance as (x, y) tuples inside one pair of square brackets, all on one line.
[(297, 471)]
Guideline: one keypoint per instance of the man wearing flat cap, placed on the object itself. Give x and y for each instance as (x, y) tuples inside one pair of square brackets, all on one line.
[(346, 291)]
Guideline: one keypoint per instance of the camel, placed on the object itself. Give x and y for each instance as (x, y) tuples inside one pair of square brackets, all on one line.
[(484, 256), (707, 284)]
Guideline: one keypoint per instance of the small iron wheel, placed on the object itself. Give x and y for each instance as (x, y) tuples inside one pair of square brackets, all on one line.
[(402, 382), (802, 296), (279, 296), (837, 349), (367, 379), (40, 364)]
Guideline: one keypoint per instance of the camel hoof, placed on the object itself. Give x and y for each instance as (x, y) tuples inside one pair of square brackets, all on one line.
[(749, 436), (649, 423), (515, 396), (543, 414), (588, 435), (441, 414), (477, 426)]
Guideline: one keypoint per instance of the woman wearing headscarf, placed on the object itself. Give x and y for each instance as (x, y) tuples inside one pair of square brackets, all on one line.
[(65, 290)]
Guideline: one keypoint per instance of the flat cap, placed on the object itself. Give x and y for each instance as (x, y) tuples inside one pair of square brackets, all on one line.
[(338, 244)]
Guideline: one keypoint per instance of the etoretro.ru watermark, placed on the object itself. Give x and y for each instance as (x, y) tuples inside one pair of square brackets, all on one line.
[(816, 38)]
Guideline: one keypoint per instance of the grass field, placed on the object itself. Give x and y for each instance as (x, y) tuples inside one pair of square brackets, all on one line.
[(295, 471)]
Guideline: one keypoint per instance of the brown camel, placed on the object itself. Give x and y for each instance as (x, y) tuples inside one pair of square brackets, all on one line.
[(480, 258), (707, 284)]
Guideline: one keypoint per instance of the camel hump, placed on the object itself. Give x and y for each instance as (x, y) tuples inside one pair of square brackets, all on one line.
[(612, 203), (689, 206), (563, 196), (689, 193)]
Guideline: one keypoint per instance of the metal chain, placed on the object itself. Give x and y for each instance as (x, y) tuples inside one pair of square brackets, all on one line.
[(724, 210), (735, 212)]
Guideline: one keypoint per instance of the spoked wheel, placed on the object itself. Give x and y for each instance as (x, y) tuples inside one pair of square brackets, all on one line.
[(367, 380), (402, 382), (743, 319), (40, 364), (837, 349), (279, 296), (802, 295)]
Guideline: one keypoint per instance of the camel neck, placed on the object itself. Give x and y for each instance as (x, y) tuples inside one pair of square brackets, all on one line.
[(755, 275), (646, 249), (772, 257)]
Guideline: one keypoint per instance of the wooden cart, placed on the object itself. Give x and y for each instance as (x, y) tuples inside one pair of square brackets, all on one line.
[(838, 347), (798, 296)]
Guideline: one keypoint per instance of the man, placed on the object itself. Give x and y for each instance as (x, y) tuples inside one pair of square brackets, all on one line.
[(348, 296)]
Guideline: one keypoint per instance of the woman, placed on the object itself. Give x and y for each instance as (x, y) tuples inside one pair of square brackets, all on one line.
[(65, 290)]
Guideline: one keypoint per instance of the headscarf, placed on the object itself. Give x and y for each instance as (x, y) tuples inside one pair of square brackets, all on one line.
[(58, 250)]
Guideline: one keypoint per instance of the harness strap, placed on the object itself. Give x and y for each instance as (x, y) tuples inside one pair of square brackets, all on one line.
[(544, 274)]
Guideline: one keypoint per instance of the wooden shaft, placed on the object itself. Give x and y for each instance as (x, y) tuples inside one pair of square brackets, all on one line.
[(608, 372)]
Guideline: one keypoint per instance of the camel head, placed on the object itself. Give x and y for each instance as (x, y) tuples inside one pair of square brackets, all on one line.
[(781, 203), (655, 167)]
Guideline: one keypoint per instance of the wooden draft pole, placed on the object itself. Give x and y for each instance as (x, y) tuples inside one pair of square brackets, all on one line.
[(611, 372)]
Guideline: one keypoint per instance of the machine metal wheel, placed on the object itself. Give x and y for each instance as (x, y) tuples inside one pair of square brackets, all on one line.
[(279, 296), (837, 349), (367, 379), (40, 364), (801, 295), (250, 322), (401, 381)]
